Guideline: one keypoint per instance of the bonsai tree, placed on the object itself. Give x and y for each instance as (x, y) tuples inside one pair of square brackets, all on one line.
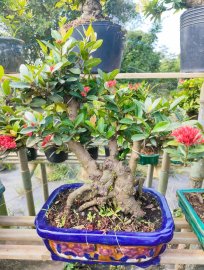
[(85, 109)]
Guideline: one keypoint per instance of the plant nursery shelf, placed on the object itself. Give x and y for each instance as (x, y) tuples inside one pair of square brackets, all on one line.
[(24, 244)]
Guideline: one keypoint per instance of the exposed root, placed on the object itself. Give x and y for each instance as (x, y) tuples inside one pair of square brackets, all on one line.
[(96, 201), (76, 194)]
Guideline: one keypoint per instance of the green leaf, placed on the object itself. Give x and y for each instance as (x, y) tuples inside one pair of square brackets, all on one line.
[(55, 34), (37, 102), (31, 141), (30, 117), (27, 130), (176, 102), (68, 34), (75, 71), (92, 62), (79, 120), (97, 44), (20, 85), (113, 74), (6, 87), (57, 139), (8, 110), (101, 125), (1, 72), (58, 66), (42, 46), (138, 137), (126, 121), (56, 98), (71, 79), (160, 127)]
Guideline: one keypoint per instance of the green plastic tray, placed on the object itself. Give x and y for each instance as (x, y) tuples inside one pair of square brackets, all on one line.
[(191, 216)]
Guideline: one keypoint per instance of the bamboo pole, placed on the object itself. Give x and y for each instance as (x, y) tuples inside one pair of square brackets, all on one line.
[(164, 174), (44, 181), (26, 177), (3, 209), (149, 178), (197, 169)]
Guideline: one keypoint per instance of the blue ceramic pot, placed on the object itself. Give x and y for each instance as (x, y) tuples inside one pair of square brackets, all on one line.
[(115, 248), (191, 216)]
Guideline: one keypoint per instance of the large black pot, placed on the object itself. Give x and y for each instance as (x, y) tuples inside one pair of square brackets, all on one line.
[(111, 50), (54, 157), (192, 40), (11, 54)]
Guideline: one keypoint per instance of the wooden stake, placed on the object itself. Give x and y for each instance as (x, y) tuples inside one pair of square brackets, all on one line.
[(164, 174), (149, 178), (44, 181), (26, 177)]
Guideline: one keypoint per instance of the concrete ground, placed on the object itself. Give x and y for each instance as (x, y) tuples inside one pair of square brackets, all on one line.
[(16, 204)]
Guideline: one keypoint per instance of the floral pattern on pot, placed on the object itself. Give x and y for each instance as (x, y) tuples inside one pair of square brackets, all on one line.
[(113, 247), (104, 253)]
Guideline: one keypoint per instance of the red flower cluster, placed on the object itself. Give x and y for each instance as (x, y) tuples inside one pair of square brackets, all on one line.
[(46, 140), (86, 90), (188, 135), (111, 84), (52, 68), (7, 142), (134, 86)]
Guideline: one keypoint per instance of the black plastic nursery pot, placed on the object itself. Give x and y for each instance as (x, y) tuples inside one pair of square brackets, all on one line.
[(149, 159), (142, 249), (11, 54), (192, 40), (54, 157), (93, 151), (111, 50), (31, 153)]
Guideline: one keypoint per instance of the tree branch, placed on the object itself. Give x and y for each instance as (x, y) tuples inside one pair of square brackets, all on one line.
[(88, 163), (134, 157), (113, 147)]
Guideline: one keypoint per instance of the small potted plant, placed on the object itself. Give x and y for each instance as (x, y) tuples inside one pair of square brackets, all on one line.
[(154, 126), (187, 147)]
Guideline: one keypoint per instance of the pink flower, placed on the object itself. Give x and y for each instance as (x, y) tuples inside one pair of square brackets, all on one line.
[(29, 134), (188, 135), (84, 94), (86, 89), (52, 68), (46, 140), (7, 142), (111, 84)]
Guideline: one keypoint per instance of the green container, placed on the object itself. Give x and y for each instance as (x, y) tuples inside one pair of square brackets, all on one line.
[(149, 159), (191, 216)]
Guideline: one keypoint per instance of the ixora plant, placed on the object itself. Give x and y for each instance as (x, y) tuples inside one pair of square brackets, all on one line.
[(108, 219), (189, 142), (187, 146), (12, 121)]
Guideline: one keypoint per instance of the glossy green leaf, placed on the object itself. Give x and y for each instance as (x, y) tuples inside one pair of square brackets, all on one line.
[(138, 137)]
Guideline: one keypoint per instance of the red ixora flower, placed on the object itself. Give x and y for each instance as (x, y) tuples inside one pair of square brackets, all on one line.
[(52, 68), (46, 140), (188, 135), (7, 142), (86, 89), (84, 94), (111, 84)]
